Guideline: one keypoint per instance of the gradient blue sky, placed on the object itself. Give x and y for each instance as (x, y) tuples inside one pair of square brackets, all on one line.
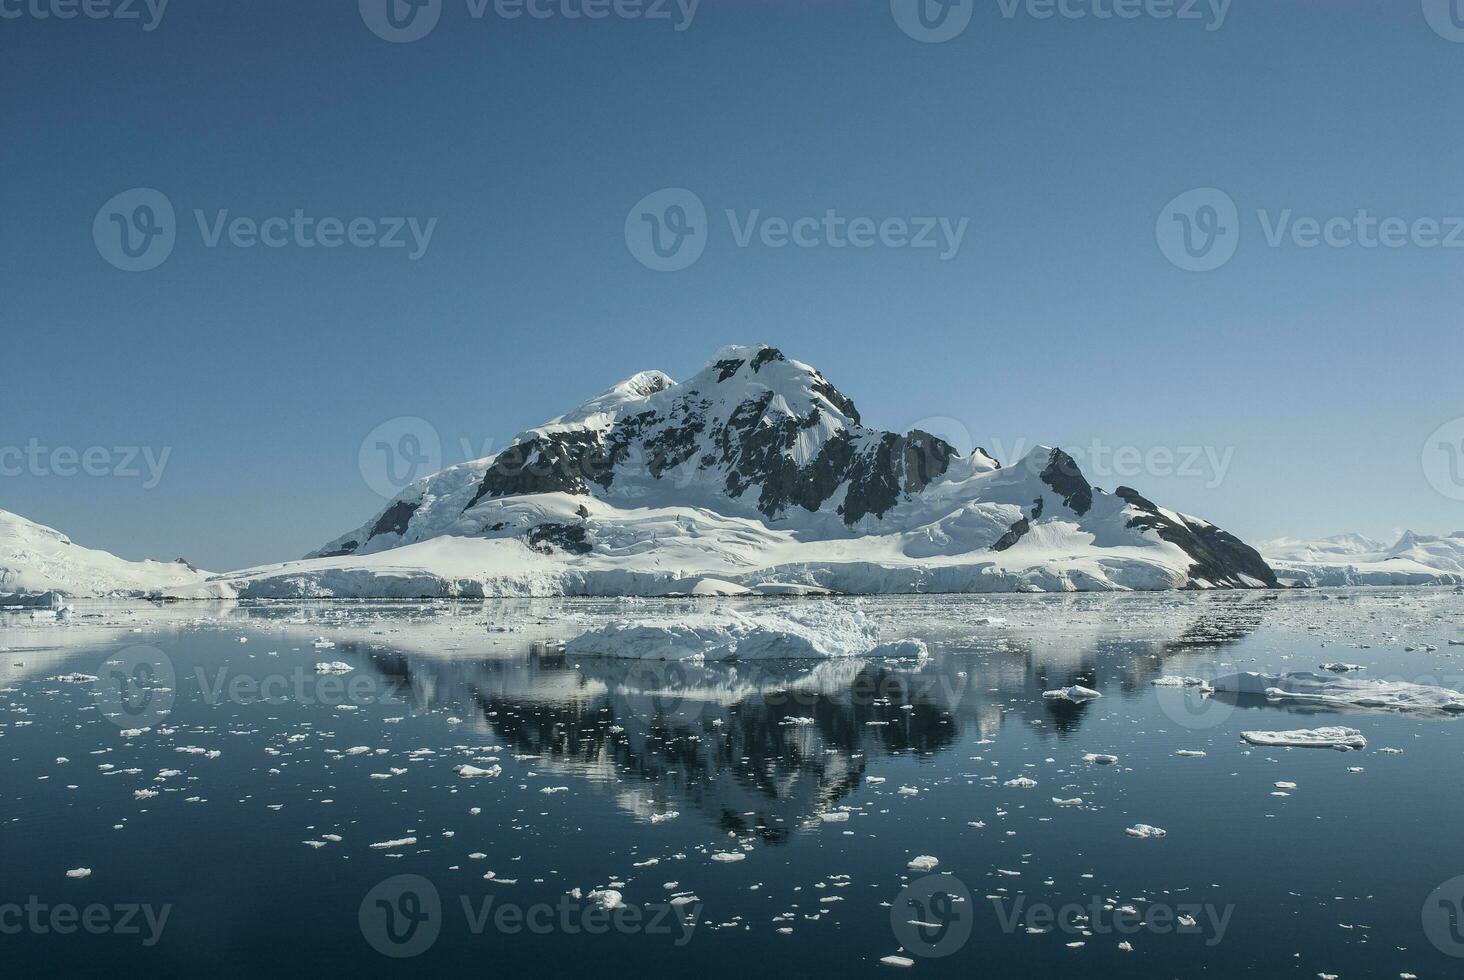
[(1059, 321)]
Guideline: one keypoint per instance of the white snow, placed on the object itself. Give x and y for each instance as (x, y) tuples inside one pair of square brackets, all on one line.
[(35, 560), (817, 631), (1309, 738)]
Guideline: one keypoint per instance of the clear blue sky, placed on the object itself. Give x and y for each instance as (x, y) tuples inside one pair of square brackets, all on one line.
[(260, 370)]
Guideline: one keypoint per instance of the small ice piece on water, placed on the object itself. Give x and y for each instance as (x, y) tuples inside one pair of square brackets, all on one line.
[(1021, 782), (1126, 946), (1175, 681), (79, 873), (473, 772), (1309, 738), (727, 857), (834, 816), (1340, 668), (923, 862), (333, 666), (400, 842), (1144, 830), (663, 817), (1190, 753), (1075, 801), (1076, 692), (901, 961), (1099, 759)]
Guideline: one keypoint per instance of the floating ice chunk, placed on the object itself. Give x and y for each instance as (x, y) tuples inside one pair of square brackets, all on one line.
[(817, 632), (554, 789), (79, 873), (1144, 830), (75, 678), (663, 817), (1190, 753), (1076, 692), (902, 649), (144, 794), (400, 842), (727, 857), (901, 961), (923, 862), (1340, 668), (607, 899), (1021, 782), (473, 772), (1075, 801), (834, 816), (1099, 759), (333, 666), (1309, 738), (1343, 692), (1174, 681)]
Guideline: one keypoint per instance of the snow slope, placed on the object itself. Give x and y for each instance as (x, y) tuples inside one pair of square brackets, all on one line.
[(755, 472), (36, 559), (1352, 559)]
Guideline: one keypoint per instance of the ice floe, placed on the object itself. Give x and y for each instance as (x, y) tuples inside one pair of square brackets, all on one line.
[(1310, 738), (1343, 692)]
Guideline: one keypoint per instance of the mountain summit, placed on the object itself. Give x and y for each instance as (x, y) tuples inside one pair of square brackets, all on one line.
[(756, 473)]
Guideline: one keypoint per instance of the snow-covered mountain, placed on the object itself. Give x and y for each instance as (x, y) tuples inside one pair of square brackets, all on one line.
[(1354, 559), (757, 474), (35, 559)]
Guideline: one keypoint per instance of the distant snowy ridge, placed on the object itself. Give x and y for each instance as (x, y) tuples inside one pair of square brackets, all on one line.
[(755, 474), (1353, 559), (35, 559)]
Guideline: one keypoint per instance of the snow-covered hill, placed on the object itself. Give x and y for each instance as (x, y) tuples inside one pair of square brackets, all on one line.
[(754, 474), (1353, 559), (35, 559)]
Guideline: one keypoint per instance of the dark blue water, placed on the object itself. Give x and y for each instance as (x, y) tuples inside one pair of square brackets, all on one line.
[(212, 874)]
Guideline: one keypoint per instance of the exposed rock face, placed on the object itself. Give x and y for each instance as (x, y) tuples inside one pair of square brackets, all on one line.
[(760, 438), (1218, 555)]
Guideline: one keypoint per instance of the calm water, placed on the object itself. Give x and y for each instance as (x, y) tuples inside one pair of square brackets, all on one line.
[(823, 780)]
